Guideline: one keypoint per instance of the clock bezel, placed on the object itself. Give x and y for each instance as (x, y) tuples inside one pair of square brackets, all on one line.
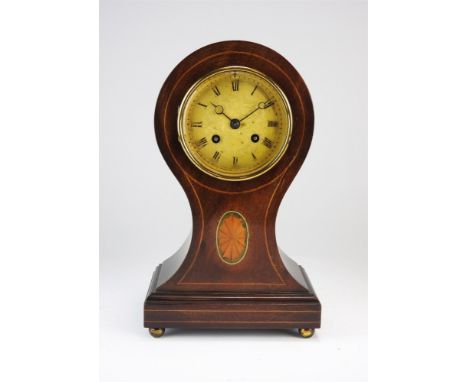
[(219, 174)]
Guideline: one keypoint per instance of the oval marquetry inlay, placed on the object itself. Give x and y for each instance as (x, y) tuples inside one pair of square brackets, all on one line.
[(232, 237)]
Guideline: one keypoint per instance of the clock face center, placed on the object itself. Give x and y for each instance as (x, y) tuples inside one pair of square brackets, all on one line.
[(235, 123)]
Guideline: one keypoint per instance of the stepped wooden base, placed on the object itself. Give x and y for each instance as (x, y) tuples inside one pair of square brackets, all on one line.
[(244, 310)]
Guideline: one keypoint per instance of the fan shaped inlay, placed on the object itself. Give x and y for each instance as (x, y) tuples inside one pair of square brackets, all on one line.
[(232, 237)]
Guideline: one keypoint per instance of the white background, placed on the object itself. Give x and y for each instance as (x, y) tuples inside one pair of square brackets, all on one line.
[(49, 191), (145, 215)]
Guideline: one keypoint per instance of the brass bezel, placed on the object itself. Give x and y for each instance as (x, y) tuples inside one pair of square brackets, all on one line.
[(223, 176)]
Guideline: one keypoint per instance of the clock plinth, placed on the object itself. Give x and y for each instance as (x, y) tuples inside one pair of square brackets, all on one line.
[(216, 310), (231, 273)]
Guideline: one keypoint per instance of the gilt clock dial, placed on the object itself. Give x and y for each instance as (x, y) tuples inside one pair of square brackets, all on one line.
[(235, 123)]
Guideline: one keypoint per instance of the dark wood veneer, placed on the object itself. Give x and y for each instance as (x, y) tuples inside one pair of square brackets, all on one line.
[(194, 288)]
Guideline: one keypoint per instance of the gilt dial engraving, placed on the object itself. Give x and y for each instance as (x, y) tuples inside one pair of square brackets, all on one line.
[(235, 123)]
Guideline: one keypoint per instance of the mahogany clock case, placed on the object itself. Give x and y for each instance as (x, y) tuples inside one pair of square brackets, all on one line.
[(194, 288)]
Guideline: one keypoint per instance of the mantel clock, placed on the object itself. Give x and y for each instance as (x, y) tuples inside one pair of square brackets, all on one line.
[(234, 122)]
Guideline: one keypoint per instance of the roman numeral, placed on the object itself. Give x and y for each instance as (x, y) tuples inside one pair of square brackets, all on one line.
[(197, 124), (253, 156), (235, 160), (202, 143), (253, 91), (273, 123), (235, 85), (216, 91), (216, 156), (202, 104), (268, 143)]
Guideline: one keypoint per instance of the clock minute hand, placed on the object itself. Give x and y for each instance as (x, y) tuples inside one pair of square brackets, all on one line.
[(220, 110), (261, 105), (253, 111)]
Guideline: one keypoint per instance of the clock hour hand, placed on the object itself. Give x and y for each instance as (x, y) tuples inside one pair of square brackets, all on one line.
[(261, 105), (220, 110)]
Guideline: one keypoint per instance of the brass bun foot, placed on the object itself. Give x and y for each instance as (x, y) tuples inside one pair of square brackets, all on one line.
[(306, 333), (157, 332)]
